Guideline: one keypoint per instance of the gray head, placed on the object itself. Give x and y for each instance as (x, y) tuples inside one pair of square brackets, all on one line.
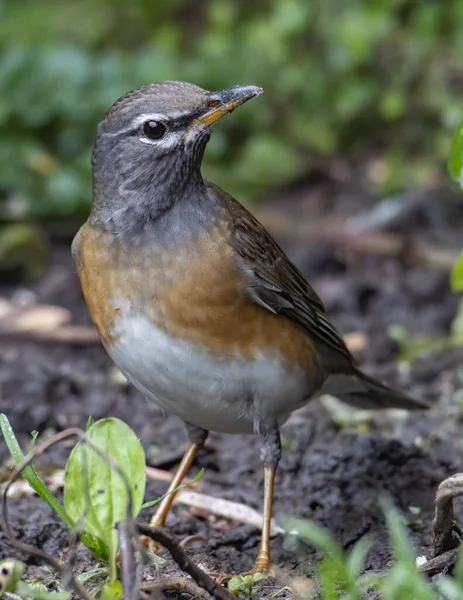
[(149, 147)]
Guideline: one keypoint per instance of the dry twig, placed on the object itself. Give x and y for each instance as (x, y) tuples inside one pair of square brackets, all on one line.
[(168, 540), (447, 534), (335, 233), (156, 588)]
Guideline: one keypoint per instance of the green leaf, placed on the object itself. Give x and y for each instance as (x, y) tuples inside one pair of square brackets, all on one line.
[(30, 475), (312, 533), (456, 276), (94, 490), (455, 163), (89, 575), (450, 588), (399, 541), (357, 557), (11, 571), (38, 591), (35, 435), (111, 591), (459, 569)]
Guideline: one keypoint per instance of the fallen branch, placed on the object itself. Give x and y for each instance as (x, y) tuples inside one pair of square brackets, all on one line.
[(78, 335), (225, 508), (156, 588), (217, 506), (447, 535), (441, 564), (167, 539), (335, 233), (42, 323)]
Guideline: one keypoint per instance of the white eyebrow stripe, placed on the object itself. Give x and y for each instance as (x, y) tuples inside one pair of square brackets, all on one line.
[(174, 114), (139, 119)]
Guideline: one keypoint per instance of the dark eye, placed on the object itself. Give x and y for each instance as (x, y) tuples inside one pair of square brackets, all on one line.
[(153, 130)]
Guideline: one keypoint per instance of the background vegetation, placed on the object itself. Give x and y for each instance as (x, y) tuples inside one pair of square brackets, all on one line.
[(376, 83)]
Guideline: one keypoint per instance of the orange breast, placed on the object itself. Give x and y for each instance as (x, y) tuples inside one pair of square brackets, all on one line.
[(196, 294)]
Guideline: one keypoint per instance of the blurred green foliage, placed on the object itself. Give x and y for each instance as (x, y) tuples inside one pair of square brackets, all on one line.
[(361, 80), (455, 168)]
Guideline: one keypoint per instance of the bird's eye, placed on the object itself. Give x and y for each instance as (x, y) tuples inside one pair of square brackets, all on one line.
[(153, 130)]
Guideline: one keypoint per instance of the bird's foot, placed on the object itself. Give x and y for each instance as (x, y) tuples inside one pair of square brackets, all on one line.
[(261, 564), (245, 581)]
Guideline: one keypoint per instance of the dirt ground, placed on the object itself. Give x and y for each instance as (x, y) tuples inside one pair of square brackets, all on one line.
[(335, 466)]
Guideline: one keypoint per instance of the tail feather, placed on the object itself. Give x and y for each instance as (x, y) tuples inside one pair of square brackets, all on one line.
[(362, 391)]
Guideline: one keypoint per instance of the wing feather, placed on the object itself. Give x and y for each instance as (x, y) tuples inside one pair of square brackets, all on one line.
[(276, 283)]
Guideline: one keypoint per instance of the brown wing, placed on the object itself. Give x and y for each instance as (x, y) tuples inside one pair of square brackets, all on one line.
[(277, 284)]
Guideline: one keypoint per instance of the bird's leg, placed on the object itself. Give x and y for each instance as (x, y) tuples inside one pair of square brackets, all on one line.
[(270, 456), (197, 438)]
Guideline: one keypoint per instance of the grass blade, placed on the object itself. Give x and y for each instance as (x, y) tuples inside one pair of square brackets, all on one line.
[(30, 475)]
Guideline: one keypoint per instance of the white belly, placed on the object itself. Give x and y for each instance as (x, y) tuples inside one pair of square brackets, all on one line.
[(228, 394)]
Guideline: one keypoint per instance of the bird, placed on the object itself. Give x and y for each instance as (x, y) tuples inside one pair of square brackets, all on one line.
[(194, 301)]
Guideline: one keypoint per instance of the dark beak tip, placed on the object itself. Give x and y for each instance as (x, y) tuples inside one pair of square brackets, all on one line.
[(252, 89), (249, 91), (239, 94)]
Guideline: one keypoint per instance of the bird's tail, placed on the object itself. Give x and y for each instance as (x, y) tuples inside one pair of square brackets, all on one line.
[(362, 391)]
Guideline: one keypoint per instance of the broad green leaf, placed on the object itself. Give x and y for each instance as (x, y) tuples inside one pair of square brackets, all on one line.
[(111, 591), (94, 491), (455, 164), (456, 277)]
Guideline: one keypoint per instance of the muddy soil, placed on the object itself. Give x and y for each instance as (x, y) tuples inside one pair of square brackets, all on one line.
[(335, 465)]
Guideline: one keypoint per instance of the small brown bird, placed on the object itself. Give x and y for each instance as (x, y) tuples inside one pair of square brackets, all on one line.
[(194, 301)]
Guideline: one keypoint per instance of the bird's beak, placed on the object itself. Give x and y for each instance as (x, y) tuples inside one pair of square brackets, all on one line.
[(224, 102)]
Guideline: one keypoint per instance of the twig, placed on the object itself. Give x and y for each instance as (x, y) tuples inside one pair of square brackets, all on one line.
[(225, 508), (79, 335), (447, 534), (167, 539), (176, 584), (388, 211), (130, 582), (158, 474), (334, 232), (442, 563)]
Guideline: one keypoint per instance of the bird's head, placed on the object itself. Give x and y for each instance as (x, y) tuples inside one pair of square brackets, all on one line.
[(150, 144)]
